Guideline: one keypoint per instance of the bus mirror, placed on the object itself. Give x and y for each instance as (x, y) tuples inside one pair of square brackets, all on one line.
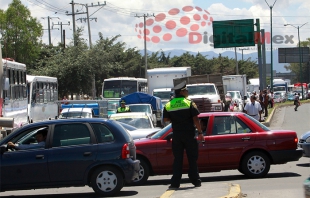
[(6, 84)]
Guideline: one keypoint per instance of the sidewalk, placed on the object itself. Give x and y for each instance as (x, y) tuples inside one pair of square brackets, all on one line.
[(210, 190)]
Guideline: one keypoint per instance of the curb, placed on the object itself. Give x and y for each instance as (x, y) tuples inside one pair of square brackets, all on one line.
[(234, 192)]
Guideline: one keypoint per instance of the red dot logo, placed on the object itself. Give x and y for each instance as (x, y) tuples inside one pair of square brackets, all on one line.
[(185, 22)]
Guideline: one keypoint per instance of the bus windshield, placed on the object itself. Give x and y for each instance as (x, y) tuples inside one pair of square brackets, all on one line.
[(117, 88), (279, 89)]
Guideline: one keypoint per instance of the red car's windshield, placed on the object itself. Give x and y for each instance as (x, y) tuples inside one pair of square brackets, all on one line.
[(161, 132)]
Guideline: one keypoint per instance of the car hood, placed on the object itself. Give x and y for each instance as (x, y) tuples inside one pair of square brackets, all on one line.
[(142, 133), (305, 135)]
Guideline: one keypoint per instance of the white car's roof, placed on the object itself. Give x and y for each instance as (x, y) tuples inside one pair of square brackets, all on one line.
[(87, 110), (139, 104)]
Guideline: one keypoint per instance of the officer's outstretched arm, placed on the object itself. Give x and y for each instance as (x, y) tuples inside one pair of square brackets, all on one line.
[(197, 123)]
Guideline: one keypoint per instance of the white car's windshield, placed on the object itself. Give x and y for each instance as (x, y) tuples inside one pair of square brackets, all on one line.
[(75, 115), (138, 122), (201, 90)]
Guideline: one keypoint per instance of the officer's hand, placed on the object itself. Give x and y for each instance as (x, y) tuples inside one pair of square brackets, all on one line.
[(201, 138)]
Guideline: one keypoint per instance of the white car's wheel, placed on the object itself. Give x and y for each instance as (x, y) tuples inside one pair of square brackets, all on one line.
[(107, 181)]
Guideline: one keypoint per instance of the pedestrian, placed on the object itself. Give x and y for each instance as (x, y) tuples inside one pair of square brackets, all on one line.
[(227, 101), (296, 101), (270, 101), (183, 114), (265, 101), (123, 108), (253, 108)]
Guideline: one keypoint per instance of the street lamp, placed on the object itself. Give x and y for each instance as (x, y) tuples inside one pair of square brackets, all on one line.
[(271, 53), (242, 51), (300, 71)]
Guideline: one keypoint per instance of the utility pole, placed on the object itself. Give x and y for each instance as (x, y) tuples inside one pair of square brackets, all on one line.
[(271, 52), (61, 24), (90, 42), (145, 54), (49, 28)]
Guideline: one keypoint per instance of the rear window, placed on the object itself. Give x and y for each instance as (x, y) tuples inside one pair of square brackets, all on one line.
[(103, 134), (125, 133)]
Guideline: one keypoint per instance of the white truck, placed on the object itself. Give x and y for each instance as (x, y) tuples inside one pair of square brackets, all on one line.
[(253, 85), (205, 90), (236, 85), (160, 80)]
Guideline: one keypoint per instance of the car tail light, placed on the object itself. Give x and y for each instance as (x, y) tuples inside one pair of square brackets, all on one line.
[(125, 151), (296, 140)]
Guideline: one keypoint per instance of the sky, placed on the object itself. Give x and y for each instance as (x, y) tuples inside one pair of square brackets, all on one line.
[(171, 24)]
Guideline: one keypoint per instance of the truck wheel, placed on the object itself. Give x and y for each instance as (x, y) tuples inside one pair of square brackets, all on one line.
[(255, 164), (107, 181), (144, 173)]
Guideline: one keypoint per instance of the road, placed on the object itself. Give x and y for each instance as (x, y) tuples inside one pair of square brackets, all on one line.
[(283, 181)]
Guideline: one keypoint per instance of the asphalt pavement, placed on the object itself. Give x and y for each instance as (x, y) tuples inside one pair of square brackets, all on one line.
[(210, 190)]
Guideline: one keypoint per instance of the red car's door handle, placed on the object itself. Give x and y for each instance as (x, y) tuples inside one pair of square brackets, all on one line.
[(39, 156), (246, 138)]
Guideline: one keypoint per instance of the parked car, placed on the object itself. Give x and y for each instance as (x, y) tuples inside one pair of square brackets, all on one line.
[(291, 97), (304, 143), (278, 98), (137, 119), (78, 152), (233, 140)]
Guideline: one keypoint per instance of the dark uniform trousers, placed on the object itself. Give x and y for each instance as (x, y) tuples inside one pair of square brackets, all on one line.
[(184, 140)]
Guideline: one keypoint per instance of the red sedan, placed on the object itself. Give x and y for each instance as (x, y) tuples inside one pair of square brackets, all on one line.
[(233, 140)]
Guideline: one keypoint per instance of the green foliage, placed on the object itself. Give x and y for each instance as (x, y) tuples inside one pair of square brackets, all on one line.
[(20, 32)]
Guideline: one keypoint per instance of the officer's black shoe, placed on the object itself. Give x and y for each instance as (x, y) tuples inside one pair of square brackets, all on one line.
[(172, 187), (197, 183)]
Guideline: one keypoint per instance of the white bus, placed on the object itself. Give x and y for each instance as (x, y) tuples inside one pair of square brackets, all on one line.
[(42, 98), (122, 86), (13, 102)]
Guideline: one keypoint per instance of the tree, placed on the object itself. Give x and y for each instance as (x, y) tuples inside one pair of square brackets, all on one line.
[(21, 33)]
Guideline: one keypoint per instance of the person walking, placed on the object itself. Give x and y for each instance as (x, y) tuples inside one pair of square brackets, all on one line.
[(183, 114), (253, 109), (265, 102), (296, 101), (123, 108)]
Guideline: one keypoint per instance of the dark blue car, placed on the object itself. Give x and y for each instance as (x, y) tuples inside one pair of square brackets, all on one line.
[(77, 152)]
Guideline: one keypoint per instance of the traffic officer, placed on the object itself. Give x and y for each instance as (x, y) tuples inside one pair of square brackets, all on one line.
[(183, 114), (123, 108)]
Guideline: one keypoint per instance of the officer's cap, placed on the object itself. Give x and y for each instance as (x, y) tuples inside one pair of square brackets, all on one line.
[(123, 102), (181, 86)]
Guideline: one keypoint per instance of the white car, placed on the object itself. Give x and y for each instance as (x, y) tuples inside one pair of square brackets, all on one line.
[(139, 133), (145, 108), (137, 119), (67, 113), (236, 96)]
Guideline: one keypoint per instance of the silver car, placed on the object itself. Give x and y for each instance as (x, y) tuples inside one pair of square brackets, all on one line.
[(304, 143)]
